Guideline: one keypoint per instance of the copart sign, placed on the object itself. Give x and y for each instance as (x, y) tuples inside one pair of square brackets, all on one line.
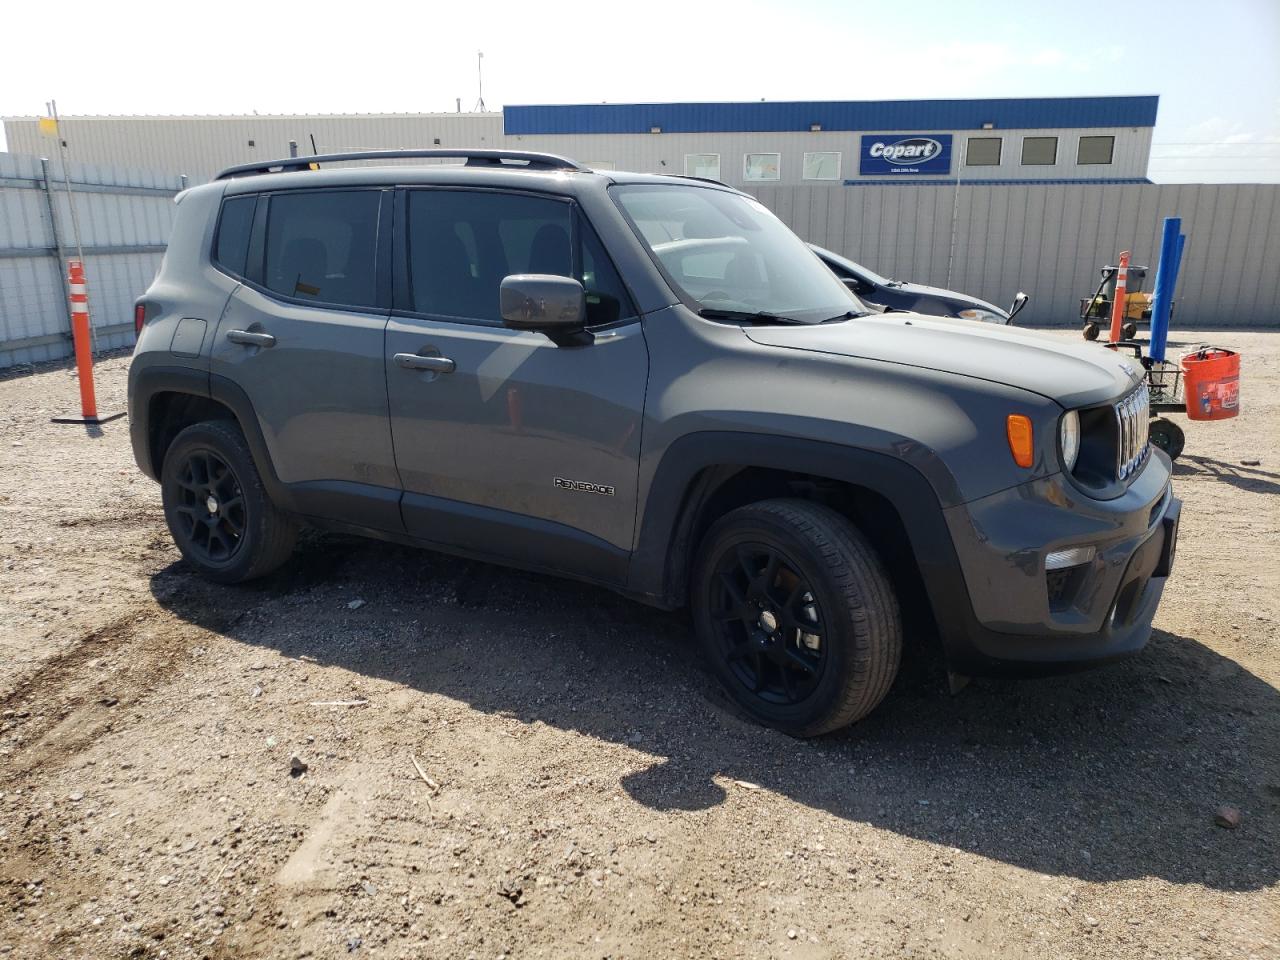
[(898, 154)]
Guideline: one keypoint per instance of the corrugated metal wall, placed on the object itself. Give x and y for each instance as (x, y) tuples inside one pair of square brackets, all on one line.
[(1050, 241), (124, 219), (201, 146)]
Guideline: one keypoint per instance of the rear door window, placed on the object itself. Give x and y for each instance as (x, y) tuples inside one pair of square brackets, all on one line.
[(322, 246), (461, 244)]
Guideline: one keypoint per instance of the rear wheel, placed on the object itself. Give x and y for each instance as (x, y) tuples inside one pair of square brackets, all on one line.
[(1129, 330), (218, 511), (796, 616), (1091, 331)]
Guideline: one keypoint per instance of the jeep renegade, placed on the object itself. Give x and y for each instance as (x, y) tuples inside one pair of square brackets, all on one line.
[(651, 384)]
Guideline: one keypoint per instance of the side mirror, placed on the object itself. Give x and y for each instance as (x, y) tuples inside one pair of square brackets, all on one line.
[(556, 306), (859, 287), (1019, 302)]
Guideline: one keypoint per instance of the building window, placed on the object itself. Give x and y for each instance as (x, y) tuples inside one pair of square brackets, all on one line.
[(762, 166), (1096, 149), (1039, 151), (822, 166), (705, 165), (983, 152)]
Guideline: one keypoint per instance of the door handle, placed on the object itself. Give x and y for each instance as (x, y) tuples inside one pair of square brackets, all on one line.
[(412, 361), (251, 338)]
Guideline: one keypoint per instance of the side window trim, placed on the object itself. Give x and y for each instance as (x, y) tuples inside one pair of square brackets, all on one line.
[(256, 268)]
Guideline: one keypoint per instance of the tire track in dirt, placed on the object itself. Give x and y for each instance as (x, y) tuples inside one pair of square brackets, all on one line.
[(76, 697)]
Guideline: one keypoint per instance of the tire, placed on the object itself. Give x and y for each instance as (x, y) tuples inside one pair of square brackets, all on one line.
[(827, 577), (1168, 436), (218, 511), (1091, 331), (1129, 330)]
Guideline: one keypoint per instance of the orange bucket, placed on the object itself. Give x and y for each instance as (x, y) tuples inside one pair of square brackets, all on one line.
[(1211, 380)]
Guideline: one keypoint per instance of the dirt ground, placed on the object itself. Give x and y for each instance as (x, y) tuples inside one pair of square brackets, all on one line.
[(584, 790)]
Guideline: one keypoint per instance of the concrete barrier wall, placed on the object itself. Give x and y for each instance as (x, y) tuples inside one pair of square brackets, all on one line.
[(1050, 240)]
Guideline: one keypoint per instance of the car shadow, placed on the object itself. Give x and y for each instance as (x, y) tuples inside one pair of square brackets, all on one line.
[(1112, 774), (1245, 476)]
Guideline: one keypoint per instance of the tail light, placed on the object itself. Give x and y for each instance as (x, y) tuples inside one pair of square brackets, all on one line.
[(139, 317)]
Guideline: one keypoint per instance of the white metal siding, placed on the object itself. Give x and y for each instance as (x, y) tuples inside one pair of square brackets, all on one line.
[(201, 146)]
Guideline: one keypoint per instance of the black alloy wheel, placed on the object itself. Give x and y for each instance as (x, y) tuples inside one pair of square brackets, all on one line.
[(210, 506), (768, 623), (796, 615), (219, 512)]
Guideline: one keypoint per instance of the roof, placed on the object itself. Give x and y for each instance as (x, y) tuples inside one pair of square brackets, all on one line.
[(874, 115)]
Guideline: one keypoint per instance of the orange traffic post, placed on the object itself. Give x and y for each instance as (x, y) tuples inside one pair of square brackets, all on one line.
[(81, 338), (1119, 305)]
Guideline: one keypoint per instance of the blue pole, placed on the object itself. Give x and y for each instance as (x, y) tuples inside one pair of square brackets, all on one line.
[(1166, 277)]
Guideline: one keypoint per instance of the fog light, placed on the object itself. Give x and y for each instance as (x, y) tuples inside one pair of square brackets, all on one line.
[(1071, 557)]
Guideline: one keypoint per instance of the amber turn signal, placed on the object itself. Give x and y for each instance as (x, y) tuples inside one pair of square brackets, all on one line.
[(1021, 439)]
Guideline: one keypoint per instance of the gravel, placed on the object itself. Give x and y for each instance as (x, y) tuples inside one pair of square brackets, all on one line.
[(591, 793)]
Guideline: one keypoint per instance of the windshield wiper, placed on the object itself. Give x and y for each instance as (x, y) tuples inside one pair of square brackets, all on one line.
[(848, 315), (750, 316)]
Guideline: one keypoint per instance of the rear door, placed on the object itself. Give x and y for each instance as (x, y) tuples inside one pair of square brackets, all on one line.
[(514, 448), (303, 337)]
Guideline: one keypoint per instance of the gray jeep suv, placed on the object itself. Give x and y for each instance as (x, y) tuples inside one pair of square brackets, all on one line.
[(651, 384)]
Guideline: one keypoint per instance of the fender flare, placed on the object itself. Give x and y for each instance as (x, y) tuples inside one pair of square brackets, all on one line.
[(687, 476), (148, 381)]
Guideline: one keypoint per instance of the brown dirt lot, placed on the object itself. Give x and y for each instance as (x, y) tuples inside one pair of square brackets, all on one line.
[(593, 796)]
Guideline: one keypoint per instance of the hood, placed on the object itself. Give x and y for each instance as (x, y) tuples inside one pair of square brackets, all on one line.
[(920, 290), (1074, 375)]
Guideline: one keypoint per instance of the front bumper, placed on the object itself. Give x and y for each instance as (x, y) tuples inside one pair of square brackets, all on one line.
[(1026, 619)]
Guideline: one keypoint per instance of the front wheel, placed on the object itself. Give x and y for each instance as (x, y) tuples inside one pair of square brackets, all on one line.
[(217, 508), (796, 616)]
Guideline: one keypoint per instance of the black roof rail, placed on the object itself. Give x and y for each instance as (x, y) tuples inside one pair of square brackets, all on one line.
[(519, 159), (690, 176)]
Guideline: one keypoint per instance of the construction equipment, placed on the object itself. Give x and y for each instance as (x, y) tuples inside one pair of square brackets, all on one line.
[(1095, 311)]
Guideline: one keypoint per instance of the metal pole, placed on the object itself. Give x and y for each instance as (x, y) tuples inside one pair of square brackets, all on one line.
[(47, 187), (64, 157), (480, 80), (955, 216)]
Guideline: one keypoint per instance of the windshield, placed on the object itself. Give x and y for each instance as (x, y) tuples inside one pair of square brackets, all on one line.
[(728, 254)]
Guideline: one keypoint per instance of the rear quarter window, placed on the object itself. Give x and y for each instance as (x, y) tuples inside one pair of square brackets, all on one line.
[(231, 244)]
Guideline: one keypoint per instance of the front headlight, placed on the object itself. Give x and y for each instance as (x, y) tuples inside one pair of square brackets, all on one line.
[(1069, 439), (983, 316)]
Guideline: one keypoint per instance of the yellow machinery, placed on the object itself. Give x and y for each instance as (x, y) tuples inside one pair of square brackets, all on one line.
[(1095, 311)]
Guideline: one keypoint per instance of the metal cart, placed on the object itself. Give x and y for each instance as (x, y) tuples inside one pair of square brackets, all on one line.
[(1164, 383)]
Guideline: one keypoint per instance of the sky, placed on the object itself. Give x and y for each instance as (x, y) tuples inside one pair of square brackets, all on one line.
[(1215, 65)]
